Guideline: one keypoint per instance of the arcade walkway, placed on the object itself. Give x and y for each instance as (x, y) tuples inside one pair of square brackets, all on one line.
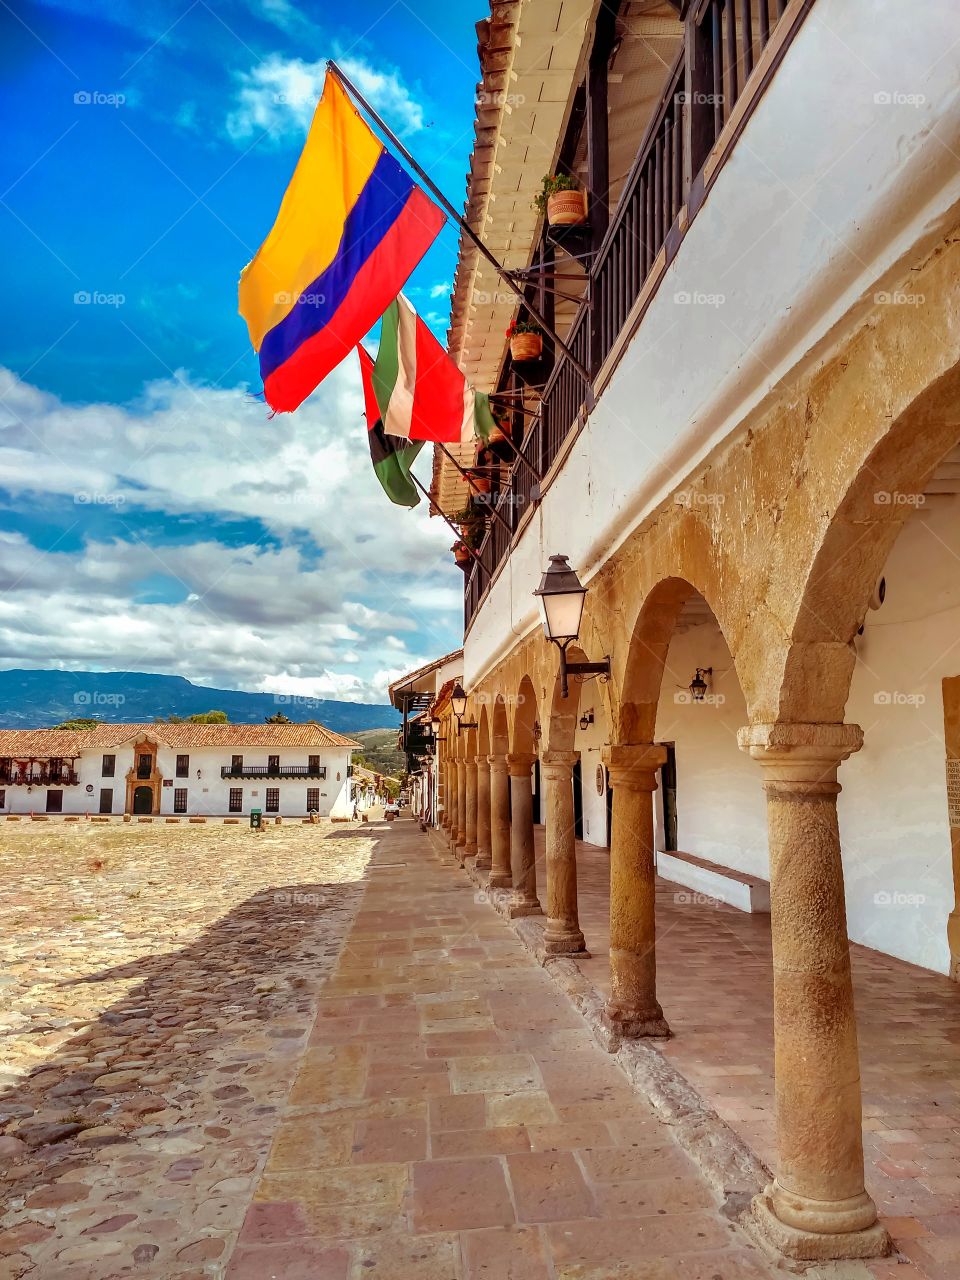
[(715, 985), (453, 1119)]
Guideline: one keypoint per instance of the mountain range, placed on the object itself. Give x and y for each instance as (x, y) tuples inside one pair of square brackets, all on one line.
[(40, 699)]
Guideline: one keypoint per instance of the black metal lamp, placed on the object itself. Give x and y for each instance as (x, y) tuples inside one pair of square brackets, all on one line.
[(435, 725), (561, 595), (586, 720), (698, 686), (458, 701)]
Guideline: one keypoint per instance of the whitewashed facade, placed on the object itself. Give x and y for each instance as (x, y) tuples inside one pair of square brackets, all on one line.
[(182, 770)]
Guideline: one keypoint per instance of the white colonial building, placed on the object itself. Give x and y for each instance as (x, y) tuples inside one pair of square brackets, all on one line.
[(289, 770)]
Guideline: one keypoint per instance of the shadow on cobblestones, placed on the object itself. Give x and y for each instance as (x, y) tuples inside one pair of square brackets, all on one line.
[(135, 1146)]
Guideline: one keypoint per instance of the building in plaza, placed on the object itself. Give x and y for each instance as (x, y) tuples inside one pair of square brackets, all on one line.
[(291, 770), (418, 696), (748, 451)]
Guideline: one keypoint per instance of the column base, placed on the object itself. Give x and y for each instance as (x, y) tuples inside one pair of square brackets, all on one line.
[(564, 943), (484, 862), (500, 881), (469, 850), (631, 1024), (832, 1230), (520, 908)]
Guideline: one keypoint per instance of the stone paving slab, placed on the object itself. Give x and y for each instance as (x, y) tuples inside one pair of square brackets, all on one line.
[(158, 985), (511, 1148)]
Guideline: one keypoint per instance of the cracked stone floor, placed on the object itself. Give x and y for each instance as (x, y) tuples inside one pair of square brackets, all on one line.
[(198, 1082)]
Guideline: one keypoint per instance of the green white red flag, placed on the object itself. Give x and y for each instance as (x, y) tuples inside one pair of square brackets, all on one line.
[(421, 393)]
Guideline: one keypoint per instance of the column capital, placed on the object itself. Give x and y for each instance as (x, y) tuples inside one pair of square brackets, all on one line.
[(633, 766), (519, 763), (498, 764), (802, 757), (558, 765)]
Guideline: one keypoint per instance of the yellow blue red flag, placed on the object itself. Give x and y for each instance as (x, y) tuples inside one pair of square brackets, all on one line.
[(352, 227)]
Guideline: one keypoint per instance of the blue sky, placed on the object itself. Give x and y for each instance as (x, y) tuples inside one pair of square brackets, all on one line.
[(152, 516)]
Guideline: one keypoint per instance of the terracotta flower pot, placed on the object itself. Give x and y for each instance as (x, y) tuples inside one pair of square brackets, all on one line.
[(461, 555), (526, 346), (480, 482), (566, 208), (497, 436)]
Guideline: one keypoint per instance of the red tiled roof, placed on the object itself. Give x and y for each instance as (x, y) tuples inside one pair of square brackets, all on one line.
[(20, 743)]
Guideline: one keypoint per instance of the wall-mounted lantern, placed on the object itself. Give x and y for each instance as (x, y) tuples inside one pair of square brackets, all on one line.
[(586, 720), (698, 685), (458, 701), (561, 595)]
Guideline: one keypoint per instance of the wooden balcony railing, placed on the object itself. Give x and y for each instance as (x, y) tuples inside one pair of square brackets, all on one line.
[(720, 59), (62, 776), (281, 771)]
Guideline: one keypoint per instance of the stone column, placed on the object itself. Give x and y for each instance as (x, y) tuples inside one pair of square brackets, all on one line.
[(443, 791), (632, 1009), (523, 866), (500, 875), (452, 801), (470, 818), (484, 861), (460, 837), (562, 934), (817, 1207)]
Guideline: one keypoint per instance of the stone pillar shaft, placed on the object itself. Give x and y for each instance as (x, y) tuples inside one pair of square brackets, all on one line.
[(633, 1009), (817, 1206), (470, 817), (562, 934), (444, 793), (461, 832), (483, 862), (500, 873), (523, 866)]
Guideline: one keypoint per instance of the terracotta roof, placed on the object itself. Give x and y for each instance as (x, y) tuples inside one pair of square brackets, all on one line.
[(424, 670), (19, 743)]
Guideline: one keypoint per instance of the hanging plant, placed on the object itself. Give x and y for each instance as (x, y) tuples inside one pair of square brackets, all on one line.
[(472, 526), (479, 479), (526, 340), (461, 554), (562, 199)]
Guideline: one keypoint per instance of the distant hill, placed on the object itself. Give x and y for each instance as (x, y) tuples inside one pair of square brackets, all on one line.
[(39, 699), (379, 749)]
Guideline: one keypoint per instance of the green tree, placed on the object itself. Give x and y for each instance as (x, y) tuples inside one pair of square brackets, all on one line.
[(277, 718), (209, 717), (82, 722)]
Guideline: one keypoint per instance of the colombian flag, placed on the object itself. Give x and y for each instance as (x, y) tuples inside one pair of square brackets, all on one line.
[(351, 228)]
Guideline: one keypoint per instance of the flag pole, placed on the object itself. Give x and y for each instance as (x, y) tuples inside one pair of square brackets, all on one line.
[(501, 271), (452, 527), (493, 511)]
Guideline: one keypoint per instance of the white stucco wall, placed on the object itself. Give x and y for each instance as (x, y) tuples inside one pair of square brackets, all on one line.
[(774, 240), (893, 806), (721, 810), (208, 794)]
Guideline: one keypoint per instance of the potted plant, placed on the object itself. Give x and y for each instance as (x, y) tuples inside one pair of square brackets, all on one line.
[(479, 479), (501, 430), (461, 554), (526, 340), (562, 199)]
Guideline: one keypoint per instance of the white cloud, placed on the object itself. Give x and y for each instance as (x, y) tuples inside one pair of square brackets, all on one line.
[(250, 615), (279, 95), (441, 290)]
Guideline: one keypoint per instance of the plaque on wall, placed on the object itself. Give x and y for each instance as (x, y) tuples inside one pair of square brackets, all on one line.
[(601, 779)]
